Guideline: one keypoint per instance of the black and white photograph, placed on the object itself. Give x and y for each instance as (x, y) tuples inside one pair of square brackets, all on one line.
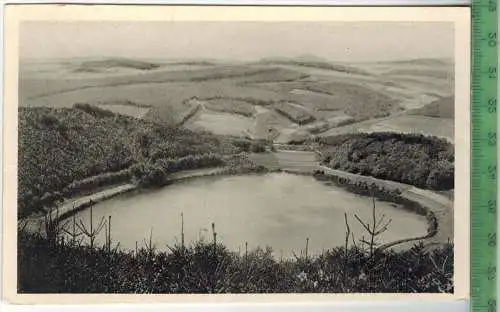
[(236, 156)]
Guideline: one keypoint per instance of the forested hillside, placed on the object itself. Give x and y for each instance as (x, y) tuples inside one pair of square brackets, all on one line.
[(61, 146), (426, 162)]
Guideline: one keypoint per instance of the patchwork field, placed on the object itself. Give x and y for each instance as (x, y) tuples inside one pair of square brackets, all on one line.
[(286, 99), (222, 123)]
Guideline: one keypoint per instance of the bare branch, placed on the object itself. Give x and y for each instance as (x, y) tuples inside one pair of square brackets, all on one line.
[(100, 226), (444, 263), (63, 226), (362, 223), (70, 233), (384, 228), (169, 248), (117, 247), (81, 226), (364, 241), (353, 240), (348, 231), (380, 221), (433, 261)]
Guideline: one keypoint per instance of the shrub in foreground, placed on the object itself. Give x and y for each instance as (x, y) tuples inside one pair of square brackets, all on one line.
[(207, 267), (258, 147)]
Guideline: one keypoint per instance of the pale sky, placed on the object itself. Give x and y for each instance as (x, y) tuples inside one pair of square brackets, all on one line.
[(347, 41)]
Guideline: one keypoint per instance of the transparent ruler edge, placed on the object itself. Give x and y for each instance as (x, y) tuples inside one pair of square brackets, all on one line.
[(484, 129), (498, 170)]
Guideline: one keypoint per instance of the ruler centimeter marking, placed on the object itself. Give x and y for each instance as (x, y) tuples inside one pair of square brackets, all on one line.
[(484, 156)]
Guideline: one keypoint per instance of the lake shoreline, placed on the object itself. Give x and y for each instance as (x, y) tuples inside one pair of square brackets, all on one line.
[(35, 223), (276, 202), (437, 209), (436, 234)]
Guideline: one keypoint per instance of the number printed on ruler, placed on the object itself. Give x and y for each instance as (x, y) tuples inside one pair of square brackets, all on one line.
[(484, 156)]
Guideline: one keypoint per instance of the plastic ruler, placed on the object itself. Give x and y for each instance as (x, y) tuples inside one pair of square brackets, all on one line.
[(484, 169)]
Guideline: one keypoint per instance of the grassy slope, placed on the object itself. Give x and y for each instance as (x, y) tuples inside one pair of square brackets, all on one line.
[(442, 108), (409, 80), (402, 123)]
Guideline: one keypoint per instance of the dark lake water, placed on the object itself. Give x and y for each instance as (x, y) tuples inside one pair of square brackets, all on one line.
[(279, 210)]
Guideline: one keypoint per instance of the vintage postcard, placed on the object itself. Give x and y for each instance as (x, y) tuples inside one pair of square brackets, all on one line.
[(215, 154)]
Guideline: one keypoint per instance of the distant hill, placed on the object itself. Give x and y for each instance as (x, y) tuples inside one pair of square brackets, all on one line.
[(310, 57), (442, 108), (314, 63), (421, 61), (304, 57), (96, 65), (426, 73)]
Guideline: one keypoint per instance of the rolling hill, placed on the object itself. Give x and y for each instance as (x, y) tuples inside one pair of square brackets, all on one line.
[(296, 97), (442, 108), (97, 65)]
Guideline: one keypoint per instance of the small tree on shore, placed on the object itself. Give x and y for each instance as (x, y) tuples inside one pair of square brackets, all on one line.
[(73, 233), (375, 228), (91, 232), (51, 224)]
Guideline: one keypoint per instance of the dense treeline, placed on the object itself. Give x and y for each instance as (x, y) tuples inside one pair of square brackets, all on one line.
[(294, 112), (423, 161), (92, 183), (58, 147), (160, 173), (207, 267), (156, 174)]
